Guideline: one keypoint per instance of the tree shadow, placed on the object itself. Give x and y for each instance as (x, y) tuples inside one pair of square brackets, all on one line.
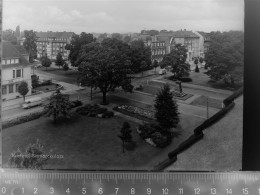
[(130, 146)]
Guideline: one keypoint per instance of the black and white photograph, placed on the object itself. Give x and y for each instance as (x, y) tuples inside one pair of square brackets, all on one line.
[(101, 85)]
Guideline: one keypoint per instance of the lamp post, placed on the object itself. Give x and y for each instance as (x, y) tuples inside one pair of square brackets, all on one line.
[(207, 107)]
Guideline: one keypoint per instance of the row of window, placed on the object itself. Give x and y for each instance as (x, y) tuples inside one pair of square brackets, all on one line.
[(11, 88), (10, 61), (157, 52), (158, 44), (54, 44), (59, 39)]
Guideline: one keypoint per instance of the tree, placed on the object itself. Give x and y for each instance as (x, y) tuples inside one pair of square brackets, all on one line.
[(196, 61), (155, 65), (65, 66), (127, 39), (105, 68), (59, 105), (166, 109), (35, 81), (30, 44), (46, 62), (9, 35), (23, 89), (17, 32), (139, 53), (125, 134), (143, 67), (225, 57), (201, 60), (117, 36), (75, 45), (59, 60), (32, 158), (177, 60)]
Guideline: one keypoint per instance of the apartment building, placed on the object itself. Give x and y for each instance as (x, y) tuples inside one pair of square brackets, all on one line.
[(51, 43), (15, 69)]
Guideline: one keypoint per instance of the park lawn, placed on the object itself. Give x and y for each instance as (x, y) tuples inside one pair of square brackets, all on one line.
[(202, 101), (91, 143)]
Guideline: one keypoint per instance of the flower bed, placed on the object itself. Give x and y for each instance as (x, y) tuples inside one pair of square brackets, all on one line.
[(136, 112), (94, 111)]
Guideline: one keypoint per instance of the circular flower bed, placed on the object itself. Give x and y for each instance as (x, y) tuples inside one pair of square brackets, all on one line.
[(135, 110)]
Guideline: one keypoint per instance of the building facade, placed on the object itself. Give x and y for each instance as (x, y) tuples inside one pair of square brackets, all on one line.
[(158, 50), (51, 43), (187, 38), (15, 69)]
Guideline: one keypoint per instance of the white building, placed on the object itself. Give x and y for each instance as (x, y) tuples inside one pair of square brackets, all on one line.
[(15, 69)]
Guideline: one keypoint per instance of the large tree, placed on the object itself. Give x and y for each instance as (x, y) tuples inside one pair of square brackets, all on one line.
[(17, 32), (105, 68), (59, 105), (46, 62), (139, 53), (117, 36), (76, 44), (30, 44), (166, 109), (225, 57), (177, 60), (155, 65), (23, 89), (9, 35)]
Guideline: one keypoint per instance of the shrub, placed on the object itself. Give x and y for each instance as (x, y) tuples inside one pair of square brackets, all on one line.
[(107, 114), (35, 81), (197, 69), (23, 119), (160, 140), (91, 110), (147, 129), (76, 103), (34, 157)]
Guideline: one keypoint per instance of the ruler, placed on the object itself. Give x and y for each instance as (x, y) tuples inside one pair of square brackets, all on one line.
[(128, 183)]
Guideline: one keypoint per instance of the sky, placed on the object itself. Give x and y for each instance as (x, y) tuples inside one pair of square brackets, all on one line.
[(123, 16)]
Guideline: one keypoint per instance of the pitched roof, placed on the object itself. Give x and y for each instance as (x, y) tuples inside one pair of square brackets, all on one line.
[(48, 34), (21, 49), (10, 51), (178, 34)]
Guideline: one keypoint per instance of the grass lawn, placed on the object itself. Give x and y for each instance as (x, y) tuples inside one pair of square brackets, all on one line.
[(202, 101), (91, 143)]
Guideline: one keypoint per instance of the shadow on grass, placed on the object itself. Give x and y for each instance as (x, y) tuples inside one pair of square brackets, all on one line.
[(61, 121), (131, 146)]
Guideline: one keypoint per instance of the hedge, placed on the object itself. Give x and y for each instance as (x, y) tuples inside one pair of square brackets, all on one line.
[(231, 98), (22, 119), (210, 121), (186, 144)]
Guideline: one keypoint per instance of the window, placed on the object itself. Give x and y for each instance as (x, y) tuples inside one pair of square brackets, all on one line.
[(12, 61), (3, 61), (13, 73), (16, 87), (8, 61), (11, 88), (4, 89), (18, 73)]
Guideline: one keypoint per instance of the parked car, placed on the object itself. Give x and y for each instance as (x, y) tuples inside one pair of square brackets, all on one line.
[(162, 71), (36, 101)]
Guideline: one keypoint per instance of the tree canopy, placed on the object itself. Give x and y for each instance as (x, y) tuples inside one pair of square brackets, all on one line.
[(46, 62), (23, 89), (177, 60), (30, 44), (59, 60), (139, 53), (9, 35), (76, 44), (105, 67), (225, 57)]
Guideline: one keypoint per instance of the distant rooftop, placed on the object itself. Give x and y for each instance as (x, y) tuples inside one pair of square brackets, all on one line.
[(179, 34), (50, 34)]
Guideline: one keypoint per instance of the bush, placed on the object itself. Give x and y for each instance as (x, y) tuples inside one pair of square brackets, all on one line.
[(197, 69), (76, 103), (185, 79), (35, 81), (160, 140), (107, 114), (22, 119), (147, 129), (45, 83), (91, 110)]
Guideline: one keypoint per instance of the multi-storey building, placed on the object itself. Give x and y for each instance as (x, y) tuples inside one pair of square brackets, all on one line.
[(51, 43), (206, 41), (183, 37), (15, 69), (158, 50)]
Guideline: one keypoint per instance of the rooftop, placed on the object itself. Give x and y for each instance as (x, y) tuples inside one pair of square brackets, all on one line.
[(178, 34), (50, 34)]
